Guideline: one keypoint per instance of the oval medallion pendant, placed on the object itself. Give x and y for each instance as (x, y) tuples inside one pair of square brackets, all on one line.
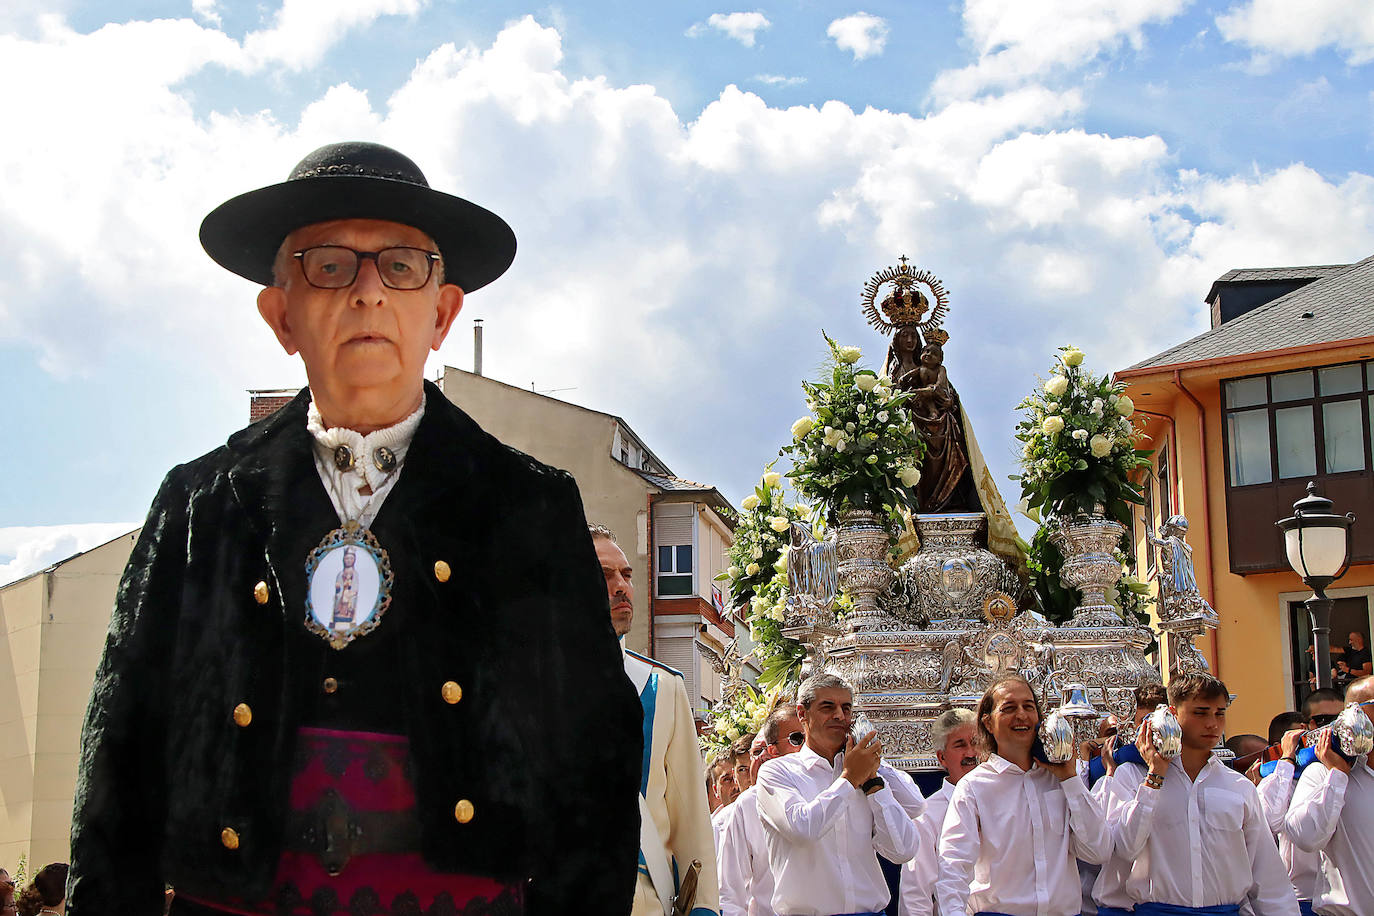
[(350, 581)]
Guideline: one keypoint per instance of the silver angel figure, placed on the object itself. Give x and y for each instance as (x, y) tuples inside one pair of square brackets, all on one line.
[(1179, 598)]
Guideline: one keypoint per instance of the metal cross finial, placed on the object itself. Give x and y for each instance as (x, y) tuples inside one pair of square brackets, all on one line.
[(903, 259)]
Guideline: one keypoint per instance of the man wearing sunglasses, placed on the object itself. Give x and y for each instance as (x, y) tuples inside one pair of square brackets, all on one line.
[(426, 752), (746, 884)]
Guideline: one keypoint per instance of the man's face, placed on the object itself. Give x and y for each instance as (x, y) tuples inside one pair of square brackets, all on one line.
[(1203, 721), (1356, 640), (1014, 719), (743, 776), (826, 723), (619, 589), (1324, 711), (959, 755), (367, 335), (727, 787)]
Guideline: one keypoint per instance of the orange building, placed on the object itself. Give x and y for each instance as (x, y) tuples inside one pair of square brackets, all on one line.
[(1279, 392)]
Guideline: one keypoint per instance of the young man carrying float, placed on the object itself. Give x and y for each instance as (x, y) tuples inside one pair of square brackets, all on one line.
[(1193, 827), (1016, 825)]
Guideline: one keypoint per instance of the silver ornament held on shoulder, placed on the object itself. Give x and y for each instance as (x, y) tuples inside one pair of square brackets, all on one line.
[(1166, 732), (1056, 734), (1353, 731)]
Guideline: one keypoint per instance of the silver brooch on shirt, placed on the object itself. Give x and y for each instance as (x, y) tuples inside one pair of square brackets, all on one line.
[(350, 582)]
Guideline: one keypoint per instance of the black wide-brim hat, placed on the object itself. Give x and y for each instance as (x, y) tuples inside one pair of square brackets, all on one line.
[(357, 181)]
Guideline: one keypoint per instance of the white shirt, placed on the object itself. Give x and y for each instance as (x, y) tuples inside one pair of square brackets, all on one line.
[(1011, 839), (1200, 842), (1275, 792), (344, 486), (917, 893), (1334, 814), (824, 836), (718, 823), (746, 884), (1109, 886)]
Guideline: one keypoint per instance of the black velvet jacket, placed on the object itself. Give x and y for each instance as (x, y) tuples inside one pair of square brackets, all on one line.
[(545, 742)]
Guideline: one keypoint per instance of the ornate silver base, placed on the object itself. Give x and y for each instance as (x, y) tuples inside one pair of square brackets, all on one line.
[(1089, 543), (864, 573)]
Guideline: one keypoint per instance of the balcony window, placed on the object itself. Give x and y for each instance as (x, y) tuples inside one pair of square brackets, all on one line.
[(675, 550)]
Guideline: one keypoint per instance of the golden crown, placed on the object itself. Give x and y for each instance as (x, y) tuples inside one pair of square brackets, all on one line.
[(908, 303)]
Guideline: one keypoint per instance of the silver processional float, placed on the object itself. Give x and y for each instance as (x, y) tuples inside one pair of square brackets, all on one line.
[(929, 624)]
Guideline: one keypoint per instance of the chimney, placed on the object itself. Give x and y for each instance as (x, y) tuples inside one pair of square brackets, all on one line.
[(477, 346)]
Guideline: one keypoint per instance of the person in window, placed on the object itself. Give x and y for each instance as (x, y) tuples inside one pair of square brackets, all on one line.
[(1355, 663)]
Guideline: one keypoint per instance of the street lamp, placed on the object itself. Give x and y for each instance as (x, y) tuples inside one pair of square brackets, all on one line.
[(1317, 542)]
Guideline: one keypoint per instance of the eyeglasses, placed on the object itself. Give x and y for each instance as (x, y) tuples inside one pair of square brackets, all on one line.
[(1323, 719), (336, 267)]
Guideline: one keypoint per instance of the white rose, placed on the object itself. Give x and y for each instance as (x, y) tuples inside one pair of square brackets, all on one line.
[(750, 502), (778, 613), (752, 569), (1125, 406), (732, 733), (733, 572), (771, 479), (1056, 385), (1101, 446), (832, 437), (865, 382), (862, 409), (849, 354), (909, 476), (882, 416), (778, 523), (1052, 426), (721, 726), (1081, 435), (758, 554), (1073, 357), (841, 445), (781, 565), (802, 427), (849, 427), (1052, 407)]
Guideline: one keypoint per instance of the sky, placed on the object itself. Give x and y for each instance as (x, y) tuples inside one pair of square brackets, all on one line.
[(698, 190)]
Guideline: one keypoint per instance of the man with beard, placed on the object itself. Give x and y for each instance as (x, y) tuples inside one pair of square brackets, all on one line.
[(674, 820)]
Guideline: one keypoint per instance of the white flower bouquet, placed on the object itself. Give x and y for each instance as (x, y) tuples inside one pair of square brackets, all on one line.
[(1079, 444), (857, 448)]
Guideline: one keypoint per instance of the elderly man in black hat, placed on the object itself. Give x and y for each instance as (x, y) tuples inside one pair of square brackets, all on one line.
[(361, 660)]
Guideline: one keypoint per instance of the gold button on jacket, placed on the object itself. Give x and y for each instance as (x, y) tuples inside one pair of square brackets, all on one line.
[(260, 593), (463, 811), (243, 714), (441, 571), (229, 837), (452, 692)]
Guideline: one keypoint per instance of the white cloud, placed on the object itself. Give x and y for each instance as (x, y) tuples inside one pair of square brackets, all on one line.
[(26, 550), (862, 34), (742, 27), (1020, 40), (774, 79), (1281, 28), (207, 11), (673, 271), (303, 30)]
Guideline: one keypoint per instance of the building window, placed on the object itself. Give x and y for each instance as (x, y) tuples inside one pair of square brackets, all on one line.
[(1149, 512), (1302, 424), (675, 543), (1283, 429), (1166, 493)]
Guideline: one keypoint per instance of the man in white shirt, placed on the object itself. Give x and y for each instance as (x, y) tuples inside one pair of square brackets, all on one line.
[(954, 735), (1276, 791), (1193, 827), (673, 813), (727, 790), (746, 884), (827, 814), (1017, 825), (1333, 812)]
